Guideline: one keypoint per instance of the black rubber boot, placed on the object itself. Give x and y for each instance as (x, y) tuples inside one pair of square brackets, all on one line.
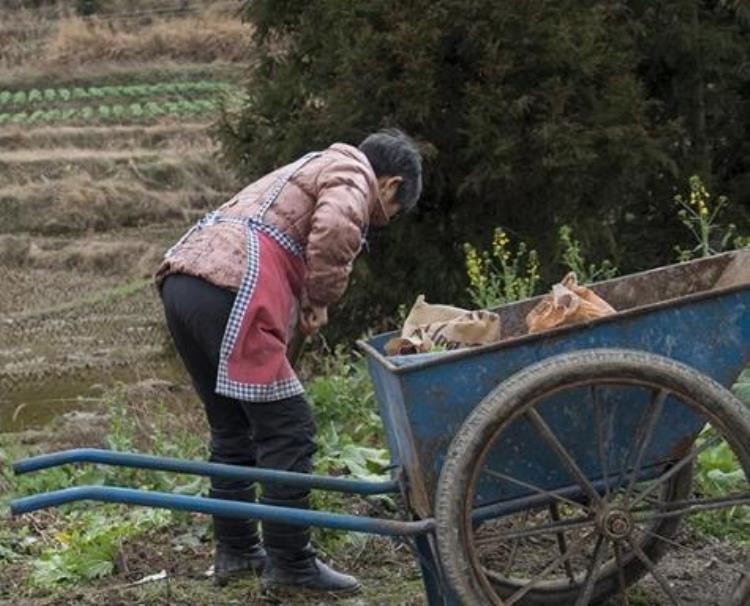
[(292, 562), (238, 549)]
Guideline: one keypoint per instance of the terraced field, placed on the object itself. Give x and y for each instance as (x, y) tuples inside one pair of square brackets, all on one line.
[(97, 179)]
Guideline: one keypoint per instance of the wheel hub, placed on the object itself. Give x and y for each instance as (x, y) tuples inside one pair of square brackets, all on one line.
[(616, 524)]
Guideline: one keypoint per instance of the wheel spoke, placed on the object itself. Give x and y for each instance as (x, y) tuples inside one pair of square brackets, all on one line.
[(514, 548), (549, 437), (680, 508), (620, 574), (592, 574), (572, 524), (554, 495), (561, 559), (646, 561), (561, 543), (644, 438), (602, 438), (676, 468)]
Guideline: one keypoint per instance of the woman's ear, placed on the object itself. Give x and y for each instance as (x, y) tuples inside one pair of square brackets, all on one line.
[(390, 187)]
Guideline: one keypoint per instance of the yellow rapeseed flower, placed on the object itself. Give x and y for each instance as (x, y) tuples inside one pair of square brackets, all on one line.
[(500, 242), (474, 267)]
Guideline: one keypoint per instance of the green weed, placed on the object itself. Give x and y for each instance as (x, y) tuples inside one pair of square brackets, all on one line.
[(350, 436), (84, 541), (87, 547), (573, 259), (719, 474)]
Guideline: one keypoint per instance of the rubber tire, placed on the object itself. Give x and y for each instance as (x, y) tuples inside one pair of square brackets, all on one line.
[(727, 412)]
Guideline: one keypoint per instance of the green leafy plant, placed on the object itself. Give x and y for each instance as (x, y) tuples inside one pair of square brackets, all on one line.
[(501, 275), (719, 474), (80, 93), (110, 91), (87, 547), (573, 259), (37, 116), (153, 109), (19, 118), (136, 110), (343, 400), (741, 388)]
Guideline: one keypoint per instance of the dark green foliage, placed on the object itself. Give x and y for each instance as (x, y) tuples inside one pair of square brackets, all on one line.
[(530, 115)]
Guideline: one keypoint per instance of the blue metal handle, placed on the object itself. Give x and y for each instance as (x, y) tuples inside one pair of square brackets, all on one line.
[(218, 470), (220, 507)]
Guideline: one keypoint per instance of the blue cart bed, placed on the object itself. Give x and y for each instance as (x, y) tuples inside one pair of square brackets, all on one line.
[(696, 312)]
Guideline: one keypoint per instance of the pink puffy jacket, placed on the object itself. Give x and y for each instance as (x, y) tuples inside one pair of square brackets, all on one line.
[(326, 207)]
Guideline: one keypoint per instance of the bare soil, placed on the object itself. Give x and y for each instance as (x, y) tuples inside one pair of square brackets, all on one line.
[(387, 572)]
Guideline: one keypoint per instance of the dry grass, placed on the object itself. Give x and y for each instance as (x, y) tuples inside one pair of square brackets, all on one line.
[(22, 37), (162, 171), (39, 75), (80, 203), (103, 257), (214, 34), (177, 136), (209, 37)]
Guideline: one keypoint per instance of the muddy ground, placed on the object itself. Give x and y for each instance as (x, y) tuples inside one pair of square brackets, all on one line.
[(385, 569)]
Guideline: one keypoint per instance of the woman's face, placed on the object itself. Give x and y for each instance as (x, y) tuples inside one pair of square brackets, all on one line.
[(387, 188)]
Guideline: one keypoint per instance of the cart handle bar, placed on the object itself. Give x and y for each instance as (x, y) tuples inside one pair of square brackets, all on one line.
[(223, 508), (217, 470)]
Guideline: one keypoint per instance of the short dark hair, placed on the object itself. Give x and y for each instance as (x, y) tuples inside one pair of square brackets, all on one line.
[(393, 153)]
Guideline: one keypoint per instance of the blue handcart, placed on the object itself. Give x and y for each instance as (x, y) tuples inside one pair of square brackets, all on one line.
[(554, 468)]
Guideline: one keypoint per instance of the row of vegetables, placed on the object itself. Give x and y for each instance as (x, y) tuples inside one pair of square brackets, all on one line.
[(33, 96), (117, 112)]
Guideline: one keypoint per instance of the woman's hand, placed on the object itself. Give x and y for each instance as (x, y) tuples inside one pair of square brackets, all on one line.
[(313, 318)]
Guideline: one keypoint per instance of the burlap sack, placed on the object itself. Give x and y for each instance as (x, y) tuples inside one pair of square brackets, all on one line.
[(430, 327), (568, 304)]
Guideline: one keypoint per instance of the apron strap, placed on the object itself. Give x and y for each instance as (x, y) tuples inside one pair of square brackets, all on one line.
[(269, 197), (273, 192)]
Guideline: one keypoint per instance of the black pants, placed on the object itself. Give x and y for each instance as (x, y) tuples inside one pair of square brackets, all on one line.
[(275, 435)]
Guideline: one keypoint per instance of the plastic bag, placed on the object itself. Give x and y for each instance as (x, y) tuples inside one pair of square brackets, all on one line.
[(429, 327), (569, 303)]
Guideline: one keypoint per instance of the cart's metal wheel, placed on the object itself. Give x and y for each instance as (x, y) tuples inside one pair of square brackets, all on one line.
[(623, 530)]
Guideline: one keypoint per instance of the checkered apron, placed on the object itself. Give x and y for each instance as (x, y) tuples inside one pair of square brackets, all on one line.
[(253, 366)]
